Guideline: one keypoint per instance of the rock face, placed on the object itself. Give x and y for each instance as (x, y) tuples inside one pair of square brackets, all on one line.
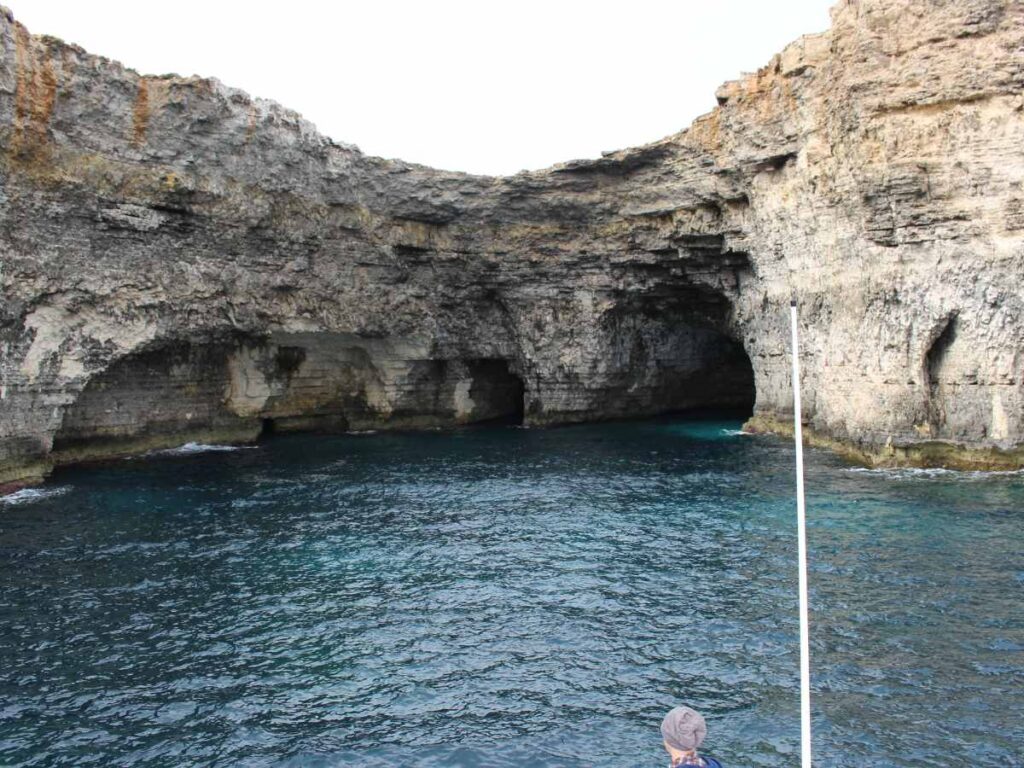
[(181, 261)]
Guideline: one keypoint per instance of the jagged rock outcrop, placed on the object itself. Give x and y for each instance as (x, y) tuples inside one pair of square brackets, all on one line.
[(181, 261)]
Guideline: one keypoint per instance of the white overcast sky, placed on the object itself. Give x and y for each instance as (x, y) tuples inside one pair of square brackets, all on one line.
[(485, 87)]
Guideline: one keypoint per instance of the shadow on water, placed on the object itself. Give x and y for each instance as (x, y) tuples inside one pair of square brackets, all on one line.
[(506, 596)]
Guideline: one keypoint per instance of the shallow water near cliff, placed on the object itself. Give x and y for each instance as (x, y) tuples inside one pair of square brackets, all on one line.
[(502, 596)]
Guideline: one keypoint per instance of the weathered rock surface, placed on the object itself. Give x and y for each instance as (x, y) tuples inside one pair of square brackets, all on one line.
[(181, 261)]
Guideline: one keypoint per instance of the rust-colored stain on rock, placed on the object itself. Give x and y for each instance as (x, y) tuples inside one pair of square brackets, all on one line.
[(35, 93), (140, 114)]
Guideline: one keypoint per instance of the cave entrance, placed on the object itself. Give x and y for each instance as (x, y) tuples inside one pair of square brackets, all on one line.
[(153, 398), (496, 393), (672, 357), (711, 373)]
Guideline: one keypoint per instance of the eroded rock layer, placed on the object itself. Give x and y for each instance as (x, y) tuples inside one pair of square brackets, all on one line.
[(182, 261)]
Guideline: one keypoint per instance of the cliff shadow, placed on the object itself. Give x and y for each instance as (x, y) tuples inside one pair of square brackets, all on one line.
[(154, 398), (237, 389)]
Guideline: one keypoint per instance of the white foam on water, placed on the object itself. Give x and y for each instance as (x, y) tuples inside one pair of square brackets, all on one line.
[(361, 432), (709, 477), (26, 495), (917, 473), (736, 432), (190, 448)]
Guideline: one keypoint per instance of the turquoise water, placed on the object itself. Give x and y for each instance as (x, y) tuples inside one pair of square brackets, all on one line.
[(506, 597)]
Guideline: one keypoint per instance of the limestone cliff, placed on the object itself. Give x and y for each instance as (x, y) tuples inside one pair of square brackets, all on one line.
[(181, 261)]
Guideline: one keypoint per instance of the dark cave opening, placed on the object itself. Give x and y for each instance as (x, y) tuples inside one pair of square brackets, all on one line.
[(223, 391), (497, 393), (673, 355), (936, 354), (151, 397), (935, 359), (716, 376)]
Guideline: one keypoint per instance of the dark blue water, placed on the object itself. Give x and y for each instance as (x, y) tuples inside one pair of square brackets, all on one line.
[(506, 597)]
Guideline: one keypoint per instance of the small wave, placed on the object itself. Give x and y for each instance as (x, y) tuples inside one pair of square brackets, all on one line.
[(190, 448), (709, 476), (26, 495), (361, 432), (736, 432), (916, 473)]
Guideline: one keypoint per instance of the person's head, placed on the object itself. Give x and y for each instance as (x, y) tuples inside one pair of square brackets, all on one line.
[(683, 730)]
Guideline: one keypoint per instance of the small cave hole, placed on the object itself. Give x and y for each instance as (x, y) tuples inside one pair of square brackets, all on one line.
[(497, 393), (936, 355), (289, 359), (935, 361)]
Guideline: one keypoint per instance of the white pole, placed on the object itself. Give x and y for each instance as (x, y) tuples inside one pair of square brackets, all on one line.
[(801, 517)]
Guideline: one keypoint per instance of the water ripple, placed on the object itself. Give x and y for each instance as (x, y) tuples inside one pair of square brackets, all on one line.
[(505, 597)]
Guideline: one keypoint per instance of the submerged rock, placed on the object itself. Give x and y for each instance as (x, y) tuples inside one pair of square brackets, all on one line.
[(181, 261)]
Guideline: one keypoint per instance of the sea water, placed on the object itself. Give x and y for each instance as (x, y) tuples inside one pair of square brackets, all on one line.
[(507, 597)]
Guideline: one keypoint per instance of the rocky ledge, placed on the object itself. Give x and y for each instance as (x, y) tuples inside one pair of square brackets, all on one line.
[(180, 261)]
